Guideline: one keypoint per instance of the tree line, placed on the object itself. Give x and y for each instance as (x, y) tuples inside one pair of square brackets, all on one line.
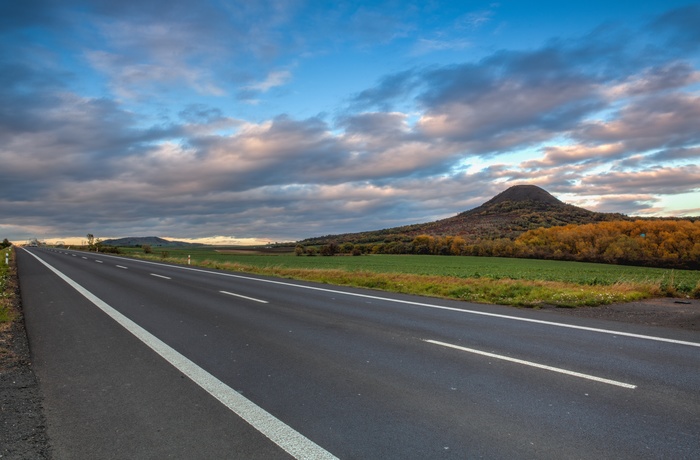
[(662, 243)]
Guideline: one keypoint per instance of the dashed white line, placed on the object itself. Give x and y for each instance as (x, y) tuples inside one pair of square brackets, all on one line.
[(290, 440), (99, 261), (85, 258), (435, 306), (244, 297), (537, 365), (121, 266), (161, 276)]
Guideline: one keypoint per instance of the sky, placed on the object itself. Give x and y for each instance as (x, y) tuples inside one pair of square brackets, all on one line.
[(270, 121)]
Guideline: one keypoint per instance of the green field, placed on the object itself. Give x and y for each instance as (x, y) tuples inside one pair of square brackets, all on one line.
[(524, 282)]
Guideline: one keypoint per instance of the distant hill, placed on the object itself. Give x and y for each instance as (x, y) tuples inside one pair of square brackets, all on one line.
[(507, 215), (153, 241)]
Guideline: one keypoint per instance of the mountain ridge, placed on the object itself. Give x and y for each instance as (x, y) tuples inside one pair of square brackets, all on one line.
[(507, 215), (522, 193), (153, 241)]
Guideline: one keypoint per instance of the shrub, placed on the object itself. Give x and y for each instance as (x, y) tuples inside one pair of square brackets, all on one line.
[(110, 249)]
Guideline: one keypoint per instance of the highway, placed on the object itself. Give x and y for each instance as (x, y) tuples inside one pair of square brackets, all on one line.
[(139, 359)]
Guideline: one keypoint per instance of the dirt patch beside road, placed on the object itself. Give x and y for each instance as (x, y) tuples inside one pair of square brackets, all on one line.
[(22, 424), (665, 312)]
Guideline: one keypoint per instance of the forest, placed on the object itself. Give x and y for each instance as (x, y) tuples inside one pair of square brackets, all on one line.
[(660, 243)]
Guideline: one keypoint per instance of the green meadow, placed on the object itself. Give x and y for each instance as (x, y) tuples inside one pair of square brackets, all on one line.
[(520, 282)]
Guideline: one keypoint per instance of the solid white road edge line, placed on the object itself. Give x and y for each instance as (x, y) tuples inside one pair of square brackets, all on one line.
[(290, 440), (427, 305), (244, 297), (161, 276), (531, 364)]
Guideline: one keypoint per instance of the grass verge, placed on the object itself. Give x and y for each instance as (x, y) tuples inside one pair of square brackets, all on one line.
[(8, 288), (483, 289)]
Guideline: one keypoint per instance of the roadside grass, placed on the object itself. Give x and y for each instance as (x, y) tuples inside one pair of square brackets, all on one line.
[(517, 282), (7, 289)]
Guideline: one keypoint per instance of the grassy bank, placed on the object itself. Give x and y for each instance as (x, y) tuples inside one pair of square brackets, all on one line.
[(7, 288), (518, 282)]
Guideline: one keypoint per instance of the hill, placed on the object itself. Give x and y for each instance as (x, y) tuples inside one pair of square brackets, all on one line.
[(507, 215), (153, 241)]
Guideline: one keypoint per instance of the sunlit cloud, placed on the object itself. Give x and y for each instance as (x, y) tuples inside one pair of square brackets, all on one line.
[(278, 121)]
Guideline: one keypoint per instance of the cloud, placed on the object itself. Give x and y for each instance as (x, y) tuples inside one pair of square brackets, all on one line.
[(274, 79), (669, 76), (505, 96), (658, 121), (19, 15), (592, 117), (391, 88), (681, 28), (477, 19), (652, 181), (628, 204), (141, 80), (376, 26), (682, 153), (425, 45), (568, 155)]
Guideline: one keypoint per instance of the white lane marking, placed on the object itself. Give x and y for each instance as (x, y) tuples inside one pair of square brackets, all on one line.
[(532, 364), (99, 261), (161, 276), (287, 438), (74, 255), (244, 297), (85, 258), (121, 266), (438, 307)]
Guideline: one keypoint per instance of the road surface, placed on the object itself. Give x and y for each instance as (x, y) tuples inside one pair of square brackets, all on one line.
[(145, 360)]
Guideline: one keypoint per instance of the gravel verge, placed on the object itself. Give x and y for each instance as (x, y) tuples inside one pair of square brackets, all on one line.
[(663, 312), (22, 423)]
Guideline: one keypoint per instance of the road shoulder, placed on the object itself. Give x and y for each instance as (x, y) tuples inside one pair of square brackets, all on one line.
[(666, 312), (23, 427)]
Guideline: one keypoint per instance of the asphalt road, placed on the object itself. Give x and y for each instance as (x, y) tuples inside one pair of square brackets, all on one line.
[(147, 360)]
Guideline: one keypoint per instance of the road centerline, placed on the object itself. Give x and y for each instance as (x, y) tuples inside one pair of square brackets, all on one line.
[(429, 305), (244, 297), (533, 364)]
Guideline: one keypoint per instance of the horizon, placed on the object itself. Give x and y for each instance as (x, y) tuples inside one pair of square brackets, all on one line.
[(221, 240), (278, 121)]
